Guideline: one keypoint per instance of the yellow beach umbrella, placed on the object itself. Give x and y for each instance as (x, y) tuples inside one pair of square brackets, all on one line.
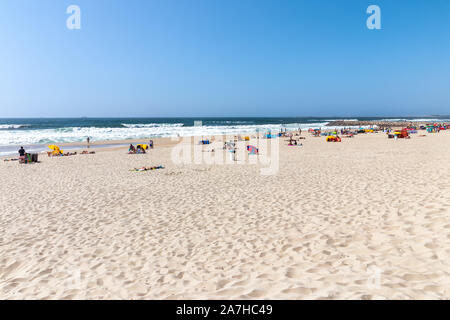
[(143, 146), (55, 149)]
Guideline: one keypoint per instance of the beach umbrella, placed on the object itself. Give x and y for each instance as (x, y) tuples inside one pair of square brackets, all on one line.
[(143, 146), (55, 148)]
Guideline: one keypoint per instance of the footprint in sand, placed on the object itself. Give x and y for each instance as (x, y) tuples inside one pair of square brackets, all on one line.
[(257, 293)]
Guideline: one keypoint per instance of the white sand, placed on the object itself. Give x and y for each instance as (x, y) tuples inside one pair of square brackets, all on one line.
[(365, 218)]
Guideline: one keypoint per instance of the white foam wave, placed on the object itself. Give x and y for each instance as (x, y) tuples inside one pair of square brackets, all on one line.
[(150, 125), (12, 126), (79, 134)]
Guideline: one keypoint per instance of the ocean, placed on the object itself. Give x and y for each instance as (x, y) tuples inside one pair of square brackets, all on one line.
[(36, 133)]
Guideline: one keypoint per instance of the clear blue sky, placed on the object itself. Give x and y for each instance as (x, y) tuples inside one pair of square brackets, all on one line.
[(224, 58)]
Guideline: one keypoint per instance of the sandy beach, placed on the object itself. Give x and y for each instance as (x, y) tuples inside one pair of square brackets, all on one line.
[(367, 218)]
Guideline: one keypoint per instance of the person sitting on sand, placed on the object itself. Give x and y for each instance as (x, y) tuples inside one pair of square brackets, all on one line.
[(22, 155), (139, 149), (131, 149)]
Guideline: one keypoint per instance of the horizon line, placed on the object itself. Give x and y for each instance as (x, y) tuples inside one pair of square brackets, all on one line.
[(225, 117)]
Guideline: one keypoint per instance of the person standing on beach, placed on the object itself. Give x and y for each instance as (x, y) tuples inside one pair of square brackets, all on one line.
[(22, 155), (88, 140)]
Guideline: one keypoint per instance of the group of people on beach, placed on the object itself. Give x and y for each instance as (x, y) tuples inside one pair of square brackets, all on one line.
[(293, 142), (23, 154), (137, 149), (140, 148), (26, 157), (132, 149)]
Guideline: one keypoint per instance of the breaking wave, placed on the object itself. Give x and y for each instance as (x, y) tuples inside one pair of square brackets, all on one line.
[(135, 131)]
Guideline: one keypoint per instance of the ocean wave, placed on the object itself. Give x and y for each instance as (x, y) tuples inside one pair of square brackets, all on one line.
[(136, 131), (13, 126), (331, 120), (225, 122), (150, 125)]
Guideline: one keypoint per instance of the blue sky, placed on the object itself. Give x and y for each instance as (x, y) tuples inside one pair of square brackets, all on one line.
[(224, 58)]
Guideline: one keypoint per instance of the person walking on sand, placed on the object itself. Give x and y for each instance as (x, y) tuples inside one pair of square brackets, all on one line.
[(88, 140)]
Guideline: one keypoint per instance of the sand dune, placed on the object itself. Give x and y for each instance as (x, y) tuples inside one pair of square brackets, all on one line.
[(367, 218)]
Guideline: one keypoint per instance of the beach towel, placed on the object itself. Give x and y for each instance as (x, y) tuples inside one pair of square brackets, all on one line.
[(147, 168), (252, 150)]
